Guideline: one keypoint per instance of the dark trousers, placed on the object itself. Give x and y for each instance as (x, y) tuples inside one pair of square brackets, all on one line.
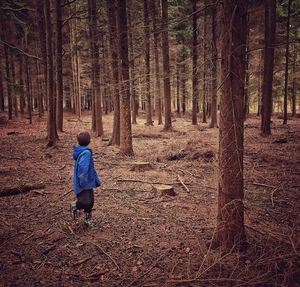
[(85, 200)]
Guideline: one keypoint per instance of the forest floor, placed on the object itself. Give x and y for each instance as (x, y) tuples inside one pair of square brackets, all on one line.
[(142, 238)]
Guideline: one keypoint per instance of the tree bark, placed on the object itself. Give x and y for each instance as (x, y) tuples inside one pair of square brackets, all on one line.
[(195, 65), (270, 28), (294, 94), (95, 65), (113, 43), (204, 65), (183, 80), (51, 124), (42, 38), (8, 75), (132, 69), (13, 78), (147, 63), (125, 116), (59, 71), (166, 65), (230, 219), (213, 122), (286, 77), (178, 109), (2, 107)]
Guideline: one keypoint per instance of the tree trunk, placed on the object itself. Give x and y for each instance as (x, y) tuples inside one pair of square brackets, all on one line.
[(156, 34), (183, 80), (213, 122), (8, 77), (95, 65), (147, 63), (294, 94), (22, 84), (113, 43), (59, 71), (132, 69), (270, 28), (125, 120), (195, 65), (166, 65), (230, 219), (204, 65), (286, 78), (13, 78), (2, 108), (247, 92), (51, 124), (42, 38), (28, 90), (178, 85)]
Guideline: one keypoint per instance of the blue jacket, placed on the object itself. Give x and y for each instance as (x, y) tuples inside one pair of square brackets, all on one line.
[(85, 175)]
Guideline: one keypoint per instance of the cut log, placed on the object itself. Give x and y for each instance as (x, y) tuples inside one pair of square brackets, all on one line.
[(21, 189), (162, 189), (140, 166)]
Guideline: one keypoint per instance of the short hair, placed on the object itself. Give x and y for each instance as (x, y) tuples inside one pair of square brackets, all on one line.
[(84, 139)]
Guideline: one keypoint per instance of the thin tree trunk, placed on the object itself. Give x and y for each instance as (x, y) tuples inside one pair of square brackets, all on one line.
[(59, 71), (270, 28), (147, 64), (8, 79), (95, 65), (294, 94), (132, 68), (113, 42), (183, 81), (195, 65), (2, 107), (204, 95), (125, 116), (286, 78), (51, 125), (156, 34), (246, 96), (230, 219), (22, 85), (42, 38), (178, 85), (166, 65), (13, 78), (28, 91), (213, 122)]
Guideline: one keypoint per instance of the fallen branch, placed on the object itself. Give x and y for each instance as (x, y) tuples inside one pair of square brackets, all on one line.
[(272, 197), (10, 157), (181, 181), (82, 261), (142, 181), (21, 189), (149, 269), (47, 250), (65, 193), (264, 185), (188, 172), (101, 249)]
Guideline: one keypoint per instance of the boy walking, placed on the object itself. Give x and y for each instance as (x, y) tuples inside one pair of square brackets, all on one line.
[(85, 178)]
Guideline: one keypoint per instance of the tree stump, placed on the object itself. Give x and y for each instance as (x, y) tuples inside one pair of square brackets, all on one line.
[(163, 189), (140, 166)]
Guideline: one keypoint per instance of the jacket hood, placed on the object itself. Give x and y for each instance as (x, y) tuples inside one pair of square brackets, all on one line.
[(77, 150)]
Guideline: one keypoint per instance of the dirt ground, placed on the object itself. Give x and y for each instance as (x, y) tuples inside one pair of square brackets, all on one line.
[(142, 238)]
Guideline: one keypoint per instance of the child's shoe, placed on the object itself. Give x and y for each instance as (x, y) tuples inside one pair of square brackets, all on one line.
[(73, 210), (88, 220)]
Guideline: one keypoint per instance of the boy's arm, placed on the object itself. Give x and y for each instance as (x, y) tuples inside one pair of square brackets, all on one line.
[(83, 168)]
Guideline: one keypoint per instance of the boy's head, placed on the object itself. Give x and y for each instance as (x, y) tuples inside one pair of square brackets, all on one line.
[(83, 138)]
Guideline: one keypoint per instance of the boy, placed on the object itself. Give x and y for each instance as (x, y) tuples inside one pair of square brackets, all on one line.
[(85, 178)]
